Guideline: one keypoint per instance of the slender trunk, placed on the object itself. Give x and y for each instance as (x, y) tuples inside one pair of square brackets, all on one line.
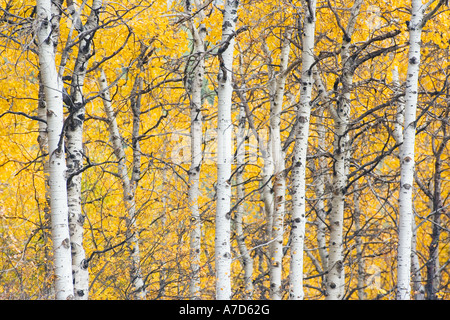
[(247, 261), (398, 136), (57, 164), (196, 64), (128, 192), (407, 163), (224, 157), (276, 91), (319, 180), (336, 275), (300, 151), (74, 143), (43, 148)]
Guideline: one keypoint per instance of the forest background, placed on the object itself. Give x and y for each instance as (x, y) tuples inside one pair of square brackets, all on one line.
[(308, 105)]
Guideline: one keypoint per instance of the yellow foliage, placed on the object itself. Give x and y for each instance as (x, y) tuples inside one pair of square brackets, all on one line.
[(162, 204)]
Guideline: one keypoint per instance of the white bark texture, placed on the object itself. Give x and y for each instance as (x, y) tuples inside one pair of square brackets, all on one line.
[(196, 158), (300, 150), (74, 143), (128, 192), (57, 164), (247, 261), (196, 75), (336, 276), (276, 91), (407, 163), (319, 180), (224, 155), (43, 148)]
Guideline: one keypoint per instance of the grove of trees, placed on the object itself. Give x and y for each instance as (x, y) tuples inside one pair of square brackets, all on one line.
[(225, 149)]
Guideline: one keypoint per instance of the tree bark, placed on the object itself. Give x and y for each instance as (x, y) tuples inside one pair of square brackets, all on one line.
[(128, 192), (57, 164), (74, 142), (336, 275), (300, 150), (407, 155), (224, 158), (247, 261), (195, 76), (276, 91)]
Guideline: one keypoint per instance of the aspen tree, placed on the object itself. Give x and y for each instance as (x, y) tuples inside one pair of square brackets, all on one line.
[(407, 161), (319, 180), (276, 91), (398, 136), (128, 188), (300, 150), (195, 76), (57, 165), (224, 155), (42, 109), (74, 143), (241, 144), (336, 276), (247, 261)]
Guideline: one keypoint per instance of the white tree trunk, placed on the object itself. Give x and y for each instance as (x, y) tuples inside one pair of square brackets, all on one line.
[(247, 261), (300, 150), (57, 164), (74, 143), (196, 74), (276, 91), (43, 148), (398, 136), (407, 155), (336, 276), (128, 192), (224, 155), (319, 181)]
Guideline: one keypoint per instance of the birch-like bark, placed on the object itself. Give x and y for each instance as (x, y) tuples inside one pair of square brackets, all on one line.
[(319, 181), (247, 261), (43, 148), (224, 156), (398, 136), (57, 164), (300, 150), (195, 76), (407, 163), (336, 276), (128, 192), (276, 92), (74, 142)]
